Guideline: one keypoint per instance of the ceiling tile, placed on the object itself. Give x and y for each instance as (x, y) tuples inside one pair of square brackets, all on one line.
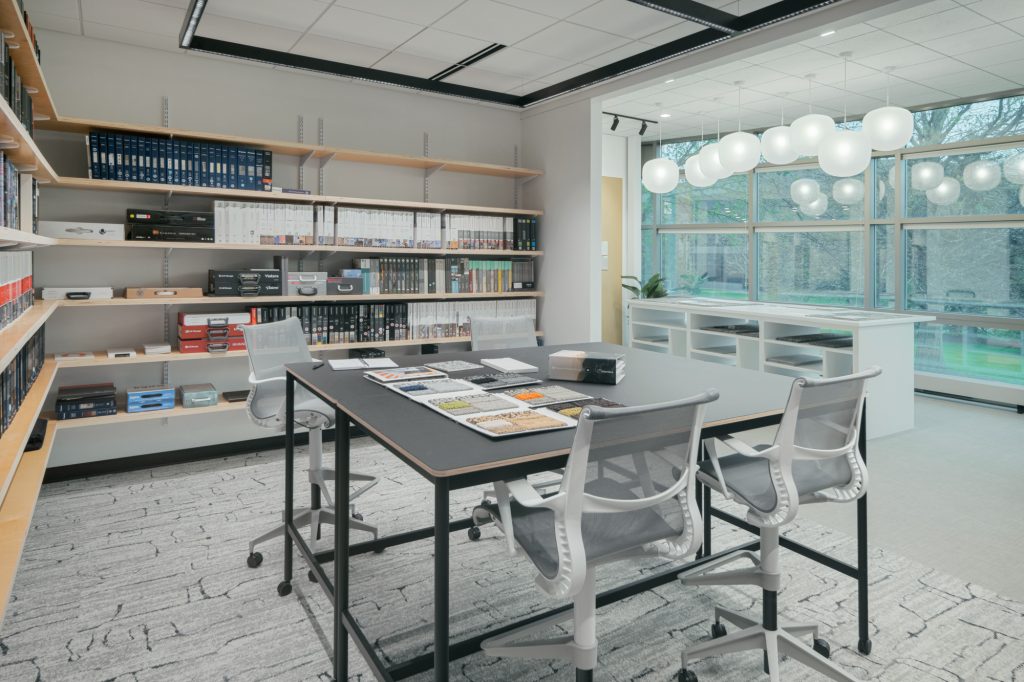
[(996, 54), (493, 22), (488, 80), (131, 14), (338, 50), (342, 23), (940, 25), (986, 36), (901, 60), (61, 8), (449, 47), (411, 65), (1015, 25), (560, 9), (999, 10), (299, 16), (571, 42), (422, 12), (803, 63), (894, 20), (1013, 71), (248, 33), (866, 44), (844, 33), (674, 32), (522, 64), (132, 36), (624, 19), (970, 83), (54, 22)]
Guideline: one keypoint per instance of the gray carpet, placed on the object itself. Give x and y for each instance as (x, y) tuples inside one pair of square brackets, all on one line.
[(141, 576)]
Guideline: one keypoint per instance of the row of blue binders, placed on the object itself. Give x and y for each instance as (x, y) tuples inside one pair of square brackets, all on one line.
[(170, 161)]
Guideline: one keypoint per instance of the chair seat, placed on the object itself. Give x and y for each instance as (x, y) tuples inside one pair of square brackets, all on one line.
[(604, 535), (269, 406), (750, 478)]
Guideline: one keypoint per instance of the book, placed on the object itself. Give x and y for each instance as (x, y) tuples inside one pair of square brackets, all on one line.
[(385, 376), (545, 395), (496, 380), (361, 363), (517, 422), (453, 366), (431, 387), (509, 365)]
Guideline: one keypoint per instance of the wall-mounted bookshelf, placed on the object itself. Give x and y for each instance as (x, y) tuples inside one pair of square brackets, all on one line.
[(21, 148), (17, 334), (24, 58), (283, 248), (269, 300), (13, 440), (123, 417), (22, 239)]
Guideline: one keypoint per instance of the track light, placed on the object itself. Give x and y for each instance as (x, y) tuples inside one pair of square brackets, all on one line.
[(643, 127), (615, 123)]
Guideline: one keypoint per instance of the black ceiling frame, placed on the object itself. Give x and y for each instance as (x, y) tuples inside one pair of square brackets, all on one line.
[(727, 25)]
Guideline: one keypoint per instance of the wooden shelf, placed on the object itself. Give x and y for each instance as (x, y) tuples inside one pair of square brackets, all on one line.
[(371, 250), (83, 126), (268, 300), (254, 195), (23, 239), (24, 58), (17, 334), (22, 152), (125, 417), (100, 357), (12, 443)]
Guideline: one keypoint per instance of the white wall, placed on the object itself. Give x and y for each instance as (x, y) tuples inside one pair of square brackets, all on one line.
[(116, 82), (620, 158)]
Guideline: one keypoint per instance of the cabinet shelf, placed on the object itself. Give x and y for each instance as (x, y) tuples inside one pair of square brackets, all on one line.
[(268, 300), (16, 334), (123, 417), (369, 250), (17, 240), (13, 440), (24, 58)]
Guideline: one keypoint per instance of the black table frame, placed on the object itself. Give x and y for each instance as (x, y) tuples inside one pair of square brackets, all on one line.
[(445, 651)]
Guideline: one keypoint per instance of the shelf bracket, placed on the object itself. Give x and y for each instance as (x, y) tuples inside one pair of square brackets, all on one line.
[(31, 90), (165, 276), (167, 202), (324, 160), (516, 187), (7, 35), (304, 159), (40, 117), (433, 169), (8, 143), (13, 46), (426, 174)]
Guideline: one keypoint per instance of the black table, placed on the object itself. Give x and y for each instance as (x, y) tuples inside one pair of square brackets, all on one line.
[(452, 456)]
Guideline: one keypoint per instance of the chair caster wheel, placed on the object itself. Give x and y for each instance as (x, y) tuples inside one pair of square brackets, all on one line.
[(474, 533), (357, 516), (717, 630), (284, 588), (822, 648), (254, 560), (864, 646), (311, 575), (687, 676)]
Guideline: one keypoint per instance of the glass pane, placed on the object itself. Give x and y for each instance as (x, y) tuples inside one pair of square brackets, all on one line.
[(974, 121), (884, 187), (776, 205), (811, 267), (647, 248), (883, 239), (705, 264), (975, 352), (723, 202), (965, 270), (980, 179), (647, 204)]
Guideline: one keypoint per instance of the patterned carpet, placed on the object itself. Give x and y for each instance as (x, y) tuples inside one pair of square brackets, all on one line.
[(142, 576)]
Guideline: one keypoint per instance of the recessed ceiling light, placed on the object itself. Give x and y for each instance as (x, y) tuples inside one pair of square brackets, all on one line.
[(826, 34), (666, 115), (670, 80)]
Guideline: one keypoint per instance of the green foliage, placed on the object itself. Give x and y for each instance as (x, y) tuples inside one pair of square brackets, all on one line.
[(654, 287), (693, 284)]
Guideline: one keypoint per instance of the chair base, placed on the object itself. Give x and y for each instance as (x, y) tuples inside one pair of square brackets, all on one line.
[(312, 518)]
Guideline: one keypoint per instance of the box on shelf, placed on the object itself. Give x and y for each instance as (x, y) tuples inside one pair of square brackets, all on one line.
[(307, 284), (344, 286), (77, 293), (198, 395), (163, 292), (86, 400), (592, 368), (211, 345), (149, 398), (212, 327), (255, 282), (70, 229)]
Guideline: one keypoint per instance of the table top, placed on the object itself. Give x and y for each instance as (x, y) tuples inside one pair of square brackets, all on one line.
[(833, 317), (439, 447)]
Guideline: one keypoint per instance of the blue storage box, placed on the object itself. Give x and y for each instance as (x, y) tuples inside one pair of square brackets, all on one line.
[(148, 398)]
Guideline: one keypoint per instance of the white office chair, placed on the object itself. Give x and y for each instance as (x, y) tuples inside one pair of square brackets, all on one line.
[(628, 490), (271, 346), (499, 333), (814, 458)]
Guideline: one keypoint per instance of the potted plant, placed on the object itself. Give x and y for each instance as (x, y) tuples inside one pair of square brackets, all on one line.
[(654, 287)]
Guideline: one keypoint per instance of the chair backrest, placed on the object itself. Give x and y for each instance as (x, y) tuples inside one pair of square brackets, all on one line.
[(636, 467), (271, 346), (498, 333)]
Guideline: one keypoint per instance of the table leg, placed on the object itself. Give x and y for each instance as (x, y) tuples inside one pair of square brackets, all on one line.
[(341, 495), (864, 644), (706, 513), (441, 580), (285, 586)]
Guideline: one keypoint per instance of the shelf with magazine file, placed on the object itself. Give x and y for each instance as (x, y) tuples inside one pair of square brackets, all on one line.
[(15, 437), (322, 153), (123, 417), (282, 248), (18, 146), (100, 358), (23, 55), (271, 300)]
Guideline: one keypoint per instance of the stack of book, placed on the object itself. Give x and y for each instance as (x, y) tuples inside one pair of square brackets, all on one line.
[(515, 233), (15, 286), (14, 92), (171, 161), (450, 274), (17, 378), (86, 400), (251, 222)]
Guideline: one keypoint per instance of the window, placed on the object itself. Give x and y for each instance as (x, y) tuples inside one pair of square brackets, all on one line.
[(984, 353), (1002, 199), (883, 248), (705, 263), (724, 202), (822, 267), (973, 121), (775, 202)]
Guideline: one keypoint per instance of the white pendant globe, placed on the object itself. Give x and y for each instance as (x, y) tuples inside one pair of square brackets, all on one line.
[(926, 175), (711, 162), (804, 191), (808, 131), (848, 191), (660, 175), (843, 153), (945, 193), (777, 145), (816, 208), (981, 176), (694, 175), (739, 152), (888, 128), (1013, 169)]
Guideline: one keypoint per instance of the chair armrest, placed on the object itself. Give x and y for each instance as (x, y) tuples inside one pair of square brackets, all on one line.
[(709, 446), (253, 380), (524, 493), (742, 448)]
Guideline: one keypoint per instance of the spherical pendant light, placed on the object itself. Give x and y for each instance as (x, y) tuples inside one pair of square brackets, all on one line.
[(808, 131), (711, 162), (945, 193), (739, 152), (888, 128), (843, 153), (926, 175), (660, 175), (816, 208), (804, 191), (981, 176), (848, 191), (694, 175), (777, 145), (1013, 169)]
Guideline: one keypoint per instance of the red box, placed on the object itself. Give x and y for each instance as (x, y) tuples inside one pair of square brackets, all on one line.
[(211, 332), (210, 346)]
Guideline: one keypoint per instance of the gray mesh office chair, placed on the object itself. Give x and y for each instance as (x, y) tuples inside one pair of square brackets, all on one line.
[(627, 490), (499, 333), (814, 458), (271, 346)]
